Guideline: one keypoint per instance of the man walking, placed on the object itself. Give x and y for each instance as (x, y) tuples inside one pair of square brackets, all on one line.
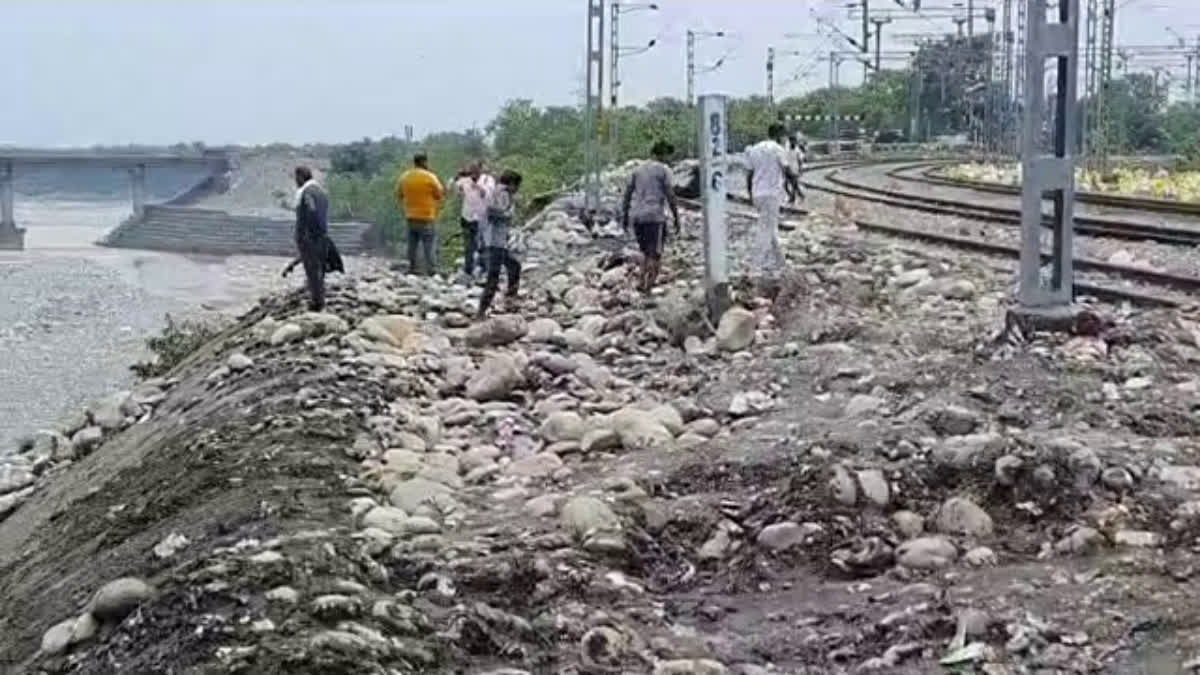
[(312, 236), (493, 236), (796, 156), (473, 185), (650, 190), (768, 167), (421, 194)]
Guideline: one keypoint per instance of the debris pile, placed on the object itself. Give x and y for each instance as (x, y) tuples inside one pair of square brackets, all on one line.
[(852, 475)]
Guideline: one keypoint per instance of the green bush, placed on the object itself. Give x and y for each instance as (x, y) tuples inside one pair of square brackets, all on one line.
[(178, 340)]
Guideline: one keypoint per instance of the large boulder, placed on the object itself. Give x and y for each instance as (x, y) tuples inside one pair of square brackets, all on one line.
[(402, 333), (495, 379), (584, 516), (118, 598), (639, 429), (563, 426), (496, 331), (735, 331)]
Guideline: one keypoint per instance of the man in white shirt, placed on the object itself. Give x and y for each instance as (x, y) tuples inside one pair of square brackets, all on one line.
[(768, 167), (474, 185)]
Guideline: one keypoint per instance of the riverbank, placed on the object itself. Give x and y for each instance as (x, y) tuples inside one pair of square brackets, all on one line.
[(852, 475)]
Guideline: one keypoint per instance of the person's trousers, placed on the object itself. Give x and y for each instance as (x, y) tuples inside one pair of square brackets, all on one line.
[(312, 256), (470, 231), (421, 237), (767, 257), (497, 259)]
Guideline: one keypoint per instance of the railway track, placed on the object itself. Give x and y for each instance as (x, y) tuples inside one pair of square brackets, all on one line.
[(1085, 225), (1186, 285), (929, 176)]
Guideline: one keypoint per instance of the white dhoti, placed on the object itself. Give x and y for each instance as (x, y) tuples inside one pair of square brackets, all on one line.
[(766, 256)]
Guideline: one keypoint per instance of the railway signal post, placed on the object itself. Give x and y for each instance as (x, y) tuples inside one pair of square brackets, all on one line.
[(1045, 301), (714, 172)]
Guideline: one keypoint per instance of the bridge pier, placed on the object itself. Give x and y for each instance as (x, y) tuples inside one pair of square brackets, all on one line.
[(12, 238), (137, 189)]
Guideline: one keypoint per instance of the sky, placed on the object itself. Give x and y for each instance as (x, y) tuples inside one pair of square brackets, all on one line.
[(84, 72)]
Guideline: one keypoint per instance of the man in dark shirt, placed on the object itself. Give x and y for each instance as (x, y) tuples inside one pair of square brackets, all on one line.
[(647, 196), (312, 236)]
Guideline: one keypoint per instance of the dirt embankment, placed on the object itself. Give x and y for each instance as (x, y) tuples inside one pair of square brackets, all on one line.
[(852, 474)]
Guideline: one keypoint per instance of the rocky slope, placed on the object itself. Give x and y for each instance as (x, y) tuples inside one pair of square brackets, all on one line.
[(855, 475)]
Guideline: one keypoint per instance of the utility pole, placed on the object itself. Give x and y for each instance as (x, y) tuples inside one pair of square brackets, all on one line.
[(879, 23), (691, 68), (835, 63), (1019, 77), (970, 18), (592, 106), (771, 75), (866, 37), (614, 79)]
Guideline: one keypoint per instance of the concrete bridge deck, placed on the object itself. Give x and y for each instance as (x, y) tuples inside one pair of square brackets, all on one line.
[(12, 237)]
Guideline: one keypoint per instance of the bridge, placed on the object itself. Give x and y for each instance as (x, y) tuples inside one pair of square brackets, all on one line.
[(12, 237)]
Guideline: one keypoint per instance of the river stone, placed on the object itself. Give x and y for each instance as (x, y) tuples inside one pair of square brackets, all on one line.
[(926, 553), (496, 379), (954, 420), (386, 518), (690, 667), (705, 426), (842, 487), (562, 426), (910, 524), (10, 501), (592, 325), (639, 429), (585, 515), (540, 465), (600, 440), (543, 330), (119, 597), (875, 487), (400, 332), (411, 494), (1085, 466), (1184, 477), (87, 439), (47, 443), (13, 477), (84, 628), (109, 412), (56, 640), (735, 330), (669, 417), (781, 536), (959, 515), (496, 331), (288, 332), (322, 323), (862, 404), (238, 362)]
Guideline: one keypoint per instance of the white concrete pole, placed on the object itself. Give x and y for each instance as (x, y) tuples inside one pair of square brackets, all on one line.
[(712, 142), (7, 221), (137, 189)]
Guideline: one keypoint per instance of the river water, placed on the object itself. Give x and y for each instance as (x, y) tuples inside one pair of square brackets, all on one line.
[(74, 316)]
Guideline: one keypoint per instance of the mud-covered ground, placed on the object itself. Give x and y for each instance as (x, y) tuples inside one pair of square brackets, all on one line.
[(860, 473)]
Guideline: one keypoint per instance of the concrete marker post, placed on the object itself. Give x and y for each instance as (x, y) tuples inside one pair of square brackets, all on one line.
[(12, 238), (712, 141)]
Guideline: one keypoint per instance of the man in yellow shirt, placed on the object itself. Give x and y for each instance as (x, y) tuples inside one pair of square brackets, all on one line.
[(420, 193)]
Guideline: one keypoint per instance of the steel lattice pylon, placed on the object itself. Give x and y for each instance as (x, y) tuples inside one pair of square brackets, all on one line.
[(1019, 78)]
